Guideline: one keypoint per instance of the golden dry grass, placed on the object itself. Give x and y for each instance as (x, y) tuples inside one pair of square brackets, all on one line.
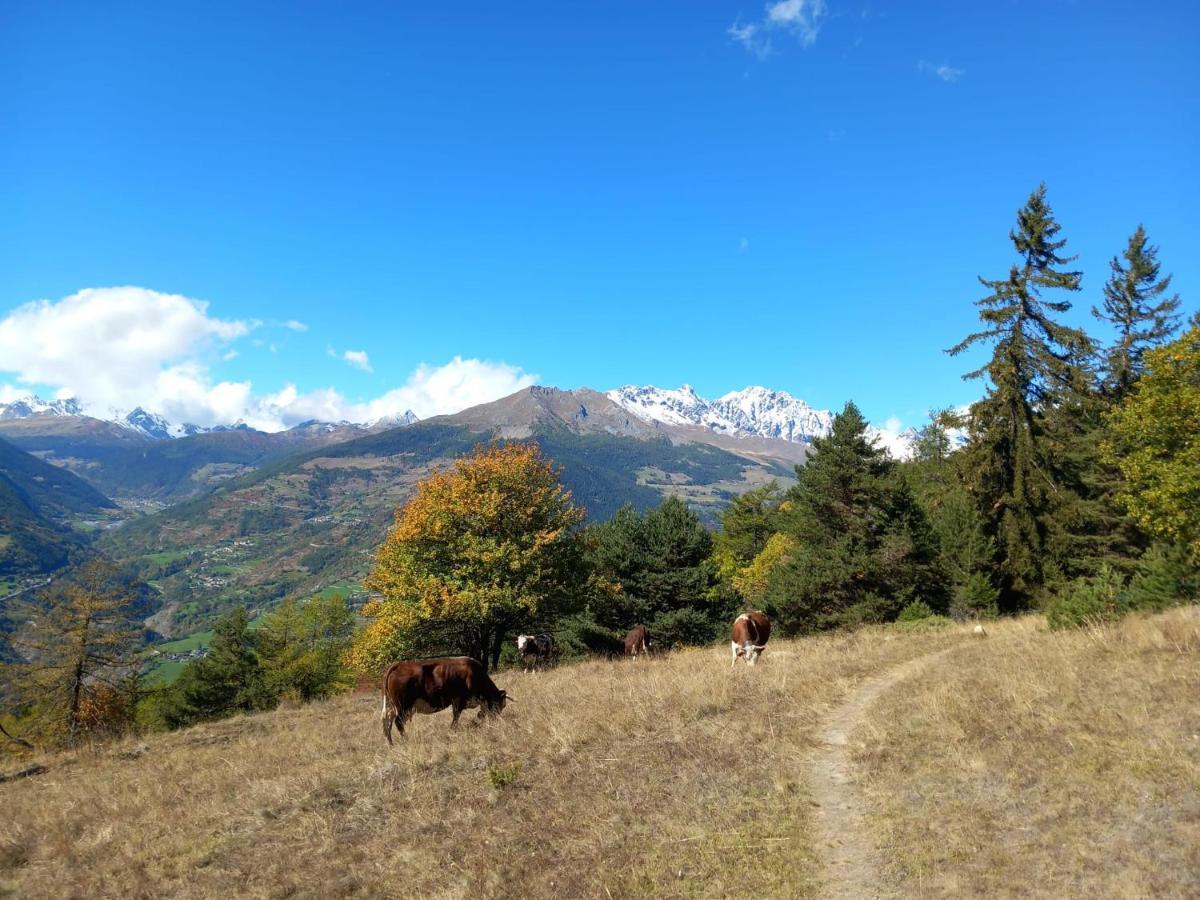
[(666, 777), (671, 778), (1044, 764)]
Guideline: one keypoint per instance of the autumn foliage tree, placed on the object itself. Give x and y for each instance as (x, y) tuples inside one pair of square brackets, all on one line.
[(482, 549)]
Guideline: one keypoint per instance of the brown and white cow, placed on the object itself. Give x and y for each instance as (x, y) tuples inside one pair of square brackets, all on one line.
[(750, 633), (431, 685), (637, 642), (536, 649)]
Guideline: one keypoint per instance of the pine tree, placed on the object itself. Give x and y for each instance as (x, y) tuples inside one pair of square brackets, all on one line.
[(662, 563), (1137, 304), (81, 637), (226, 681), (862, 548), (1037, 363)]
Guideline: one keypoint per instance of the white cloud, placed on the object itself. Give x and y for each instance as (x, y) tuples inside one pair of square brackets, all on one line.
[(358, 359), (294, 325), (117, 348), (228, 355), (944, 72), (799, 18), (894, 437)]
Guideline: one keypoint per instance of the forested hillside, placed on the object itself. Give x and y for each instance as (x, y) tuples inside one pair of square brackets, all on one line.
[(39, 504)]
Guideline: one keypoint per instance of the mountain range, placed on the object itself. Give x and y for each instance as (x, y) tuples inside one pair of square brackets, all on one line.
[(230, 515), (752, 412)]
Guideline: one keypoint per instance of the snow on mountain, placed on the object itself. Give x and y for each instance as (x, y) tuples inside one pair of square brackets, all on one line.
[(33, 405), (754, 411), (155, 426)]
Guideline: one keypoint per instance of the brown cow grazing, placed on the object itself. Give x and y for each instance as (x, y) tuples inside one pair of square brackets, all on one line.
[(430, 685), (637, 642), (750, 633)]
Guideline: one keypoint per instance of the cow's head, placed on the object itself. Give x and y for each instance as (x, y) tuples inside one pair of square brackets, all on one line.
[(495, 706), (522, 642), (750, 650)]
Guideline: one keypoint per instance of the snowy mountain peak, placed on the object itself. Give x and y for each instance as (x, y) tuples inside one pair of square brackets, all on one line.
[(33, 405), (755, 410)]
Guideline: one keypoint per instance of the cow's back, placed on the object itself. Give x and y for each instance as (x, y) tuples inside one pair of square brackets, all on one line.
[(752, 626)]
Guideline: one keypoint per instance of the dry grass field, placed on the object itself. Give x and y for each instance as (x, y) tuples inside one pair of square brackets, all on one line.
[(1061, 764), (675, 777)]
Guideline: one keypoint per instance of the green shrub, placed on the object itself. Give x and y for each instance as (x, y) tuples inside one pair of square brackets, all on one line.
[(502, 775), (1088, 601), (686, 627), (915, 611), (582, 636), (975, 597), (1166, 576)]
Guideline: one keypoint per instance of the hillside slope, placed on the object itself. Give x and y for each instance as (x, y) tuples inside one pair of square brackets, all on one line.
[(312, 520), (133, 467), (644, 779), (38, 503)]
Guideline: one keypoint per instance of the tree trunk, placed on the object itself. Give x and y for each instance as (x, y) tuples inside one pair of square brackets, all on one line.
[(497, 646)]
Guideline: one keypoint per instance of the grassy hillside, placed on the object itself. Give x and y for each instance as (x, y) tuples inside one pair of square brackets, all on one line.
[(124, 464), (659, 778), (38, 505), (300, 524)]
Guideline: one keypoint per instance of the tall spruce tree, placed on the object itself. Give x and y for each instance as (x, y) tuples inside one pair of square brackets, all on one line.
[(1037, 363), (1136, 303), (862, 547)]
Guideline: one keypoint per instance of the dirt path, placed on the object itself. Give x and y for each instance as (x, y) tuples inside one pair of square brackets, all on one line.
[(852, 863)]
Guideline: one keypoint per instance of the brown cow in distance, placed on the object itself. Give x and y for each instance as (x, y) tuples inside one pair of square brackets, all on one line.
[(637, 642), (431, 685), (750, 633)]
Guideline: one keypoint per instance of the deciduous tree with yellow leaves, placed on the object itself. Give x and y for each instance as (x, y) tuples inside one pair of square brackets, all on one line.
[(487, 547), (1154, 442)]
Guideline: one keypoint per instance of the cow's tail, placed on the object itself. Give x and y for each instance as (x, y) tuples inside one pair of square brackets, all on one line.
[(391, 715)]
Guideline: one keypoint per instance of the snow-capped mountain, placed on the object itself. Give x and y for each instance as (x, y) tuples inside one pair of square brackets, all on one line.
[(33, 405), (754, 411), (155, 426)]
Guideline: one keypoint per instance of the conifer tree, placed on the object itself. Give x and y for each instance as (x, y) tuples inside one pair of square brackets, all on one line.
[(80, 636), (226, 681), (862, 548), (1036, 363), (1136, 303)]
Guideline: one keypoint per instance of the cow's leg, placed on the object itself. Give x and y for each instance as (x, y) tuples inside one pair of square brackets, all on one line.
[(456, 711), (734, 647)]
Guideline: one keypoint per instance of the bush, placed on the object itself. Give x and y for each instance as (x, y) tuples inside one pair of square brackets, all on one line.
[(581, 636), (915, 611), (974, 598), (1165, 576), (686, 627), (1088, 601)]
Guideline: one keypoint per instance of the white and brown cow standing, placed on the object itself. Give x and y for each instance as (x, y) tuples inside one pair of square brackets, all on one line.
[(750, 633), (536, 650)]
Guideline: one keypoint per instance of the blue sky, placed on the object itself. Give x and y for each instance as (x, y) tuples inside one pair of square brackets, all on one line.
[(799, 195)]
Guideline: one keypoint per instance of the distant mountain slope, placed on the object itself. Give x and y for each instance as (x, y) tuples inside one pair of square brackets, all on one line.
[(37, 503), (313, 520), (127, 464)]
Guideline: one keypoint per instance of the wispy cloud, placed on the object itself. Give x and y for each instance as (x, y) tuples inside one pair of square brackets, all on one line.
[(358, 359), (944, 72), (800, 19), (294, 325)]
